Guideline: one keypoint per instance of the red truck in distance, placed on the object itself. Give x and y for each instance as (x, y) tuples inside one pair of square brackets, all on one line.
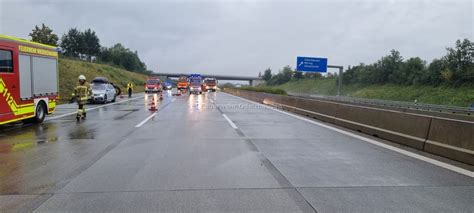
[(153, 85)]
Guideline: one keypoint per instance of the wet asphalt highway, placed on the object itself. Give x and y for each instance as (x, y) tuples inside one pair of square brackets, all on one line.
[(211, 153)]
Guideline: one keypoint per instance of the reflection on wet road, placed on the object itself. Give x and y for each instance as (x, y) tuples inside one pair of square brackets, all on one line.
[(35, 157)]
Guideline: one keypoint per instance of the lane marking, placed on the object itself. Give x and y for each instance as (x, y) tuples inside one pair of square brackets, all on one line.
[(229, 121), (152, 115), (146, 119), (89, 109), (368, 140), (232, 124)]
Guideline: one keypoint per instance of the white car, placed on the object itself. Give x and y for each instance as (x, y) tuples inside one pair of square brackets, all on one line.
[(103, 93)]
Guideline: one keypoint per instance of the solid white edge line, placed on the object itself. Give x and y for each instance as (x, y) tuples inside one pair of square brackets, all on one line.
[(229, 121), (73, 113), (146, 119), (401, 151)]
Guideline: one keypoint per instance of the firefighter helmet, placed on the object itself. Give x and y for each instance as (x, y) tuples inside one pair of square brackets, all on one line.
[(82, 77)]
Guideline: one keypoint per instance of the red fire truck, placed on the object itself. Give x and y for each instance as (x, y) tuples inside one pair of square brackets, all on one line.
[(183, 83), (28, 80), (153, 85)]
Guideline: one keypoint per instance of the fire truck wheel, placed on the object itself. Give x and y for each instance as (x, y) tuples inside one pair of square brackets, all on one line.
[(40, 112)]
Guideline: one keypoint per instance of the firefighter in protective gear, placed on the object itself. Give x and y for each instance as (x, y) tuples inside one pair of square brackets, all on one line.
[(130, 89), (82, 92)]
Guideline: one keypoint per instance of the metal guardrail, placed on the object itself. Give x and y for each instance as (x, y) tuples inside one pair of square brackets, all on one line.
[(466, 111)]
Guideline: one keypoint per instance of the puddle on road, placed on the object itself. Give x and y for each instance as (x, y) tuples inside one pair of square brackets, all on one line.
[(82, 132), (26, 137)]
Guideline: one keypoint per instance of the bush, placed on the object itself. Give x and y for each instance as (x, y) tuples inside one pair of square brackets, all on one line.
[(270, 90)]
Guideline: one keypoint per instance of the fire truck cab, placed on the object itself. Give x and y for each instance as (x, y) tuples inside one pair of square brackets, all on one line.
[(210, 84), (153, 85), (28, 80), (183, 83), (195, 84)]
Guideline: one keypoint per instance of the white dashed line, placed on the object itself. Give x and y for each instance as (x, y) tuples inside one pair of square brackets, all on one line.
[(150, 117), (229, 121), (368, 140), (146, 119)]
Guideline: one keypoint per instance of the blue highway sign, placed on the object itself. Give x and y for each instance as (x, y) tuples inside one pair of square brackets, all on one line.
[(308, 64)]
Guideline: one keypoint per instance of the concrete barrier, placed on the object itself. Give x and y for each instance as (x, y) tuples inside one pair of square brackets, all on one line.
[(452, 139), (321, 110), (404, 128), (449, 138)]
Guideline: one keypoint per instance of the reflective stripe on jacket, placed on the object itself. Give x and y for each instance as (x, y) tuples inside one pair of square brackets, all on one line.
[(129, 86), (82, 92)]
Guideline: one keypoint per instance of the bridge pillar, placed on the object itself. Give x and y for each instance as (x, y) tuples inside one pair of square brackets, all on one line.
[(251, 83)]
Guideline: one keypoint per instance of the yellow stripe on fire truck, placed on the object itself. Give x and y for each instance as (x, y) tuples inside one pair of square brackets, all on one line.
[(14, 107)]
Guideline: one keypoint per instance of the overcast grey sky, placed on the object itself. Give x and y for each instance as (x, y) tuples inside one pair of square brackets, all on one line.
[(245, 37)]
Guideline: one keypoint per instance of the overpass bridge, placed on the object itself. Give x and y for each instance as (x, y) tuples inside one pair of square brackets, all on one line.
[(252, 80)]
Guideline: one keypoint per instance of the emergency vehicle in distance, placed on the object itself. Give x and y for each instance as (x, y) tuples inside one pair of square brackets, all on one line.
[(182, 83), (153, 85), (210, 84), (195, 84), (28, 80)]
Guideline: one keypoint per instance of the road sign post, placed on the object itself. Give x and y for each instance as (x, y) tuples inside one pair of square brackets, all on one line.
[(339, 82), (310, 64)]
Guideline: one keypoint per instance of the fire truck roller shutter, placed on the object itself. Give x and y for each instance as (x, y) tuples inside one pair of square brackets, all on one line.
[(25, 77), (45, 78)]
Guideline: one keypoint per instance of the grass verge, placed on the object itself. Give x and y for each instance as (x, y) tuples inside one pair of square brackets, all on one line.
[(270, 90), (443, 95), (70, 69)]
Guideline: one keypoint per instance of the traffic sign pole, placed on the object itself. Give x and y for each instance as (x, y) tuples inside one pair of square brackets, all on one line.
[(339, 84)]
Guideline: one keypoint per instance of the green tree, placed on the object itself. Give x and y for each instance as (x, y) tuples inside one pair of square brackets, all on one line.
[(351, 75), (282, 77), (267, 74), (412, 71), (122, 57), (91, 44), (44, 35), (298, 75), (391, 69), (227, 85), (460, 61), (312, 75), (455, 68), (287, 74), (72, 43), (432, 75)]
